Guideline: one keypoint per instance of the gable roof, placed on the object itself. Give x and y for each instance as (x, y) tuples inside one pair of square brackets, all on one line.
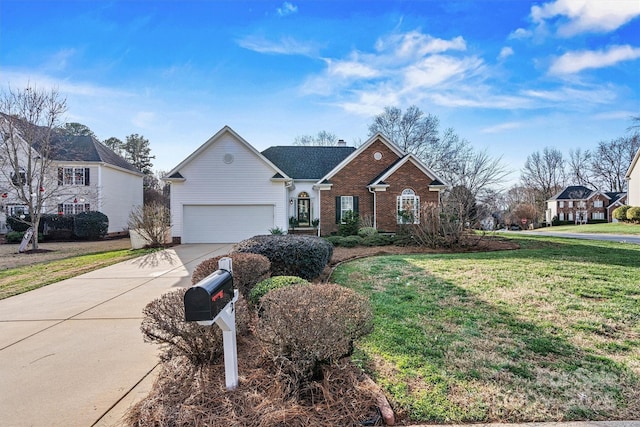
[(380, 179), (573, 192), (300, 162), (615, 196), (71, 148), (393, 147), (174, 174)]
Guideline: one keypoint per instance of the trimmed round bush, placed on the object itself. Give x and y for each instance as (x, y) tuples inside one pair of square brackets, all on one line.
[(90, 225), (304, 327), (272, 283), (248, 269), (291, 254), (633, 214), (351, 241), (367, 231), (620, 213), (19, 225), (334, 240), (377, 240)]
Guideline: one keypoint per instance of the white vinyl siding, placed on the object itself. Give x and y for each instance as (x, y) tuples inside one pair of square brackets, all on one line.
[(209, 180), (120, 193)]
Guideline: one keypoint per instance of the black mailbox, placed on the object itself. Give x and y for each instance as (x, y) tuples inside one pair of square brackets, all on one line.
[(208, 297)]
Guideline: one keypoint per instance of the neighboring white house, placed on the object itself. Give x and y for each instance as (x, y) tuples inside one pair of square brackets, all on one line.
[(633, 181), (226, 191), (84, 175)]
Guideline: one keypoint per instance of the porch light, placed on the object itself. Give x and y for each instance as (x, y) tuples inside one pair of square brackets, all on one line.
[(291, 202)]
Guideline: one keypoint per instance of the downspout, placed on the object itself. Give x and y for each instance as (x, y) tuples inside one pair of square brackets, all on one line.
[(375, 211), (319, 211)]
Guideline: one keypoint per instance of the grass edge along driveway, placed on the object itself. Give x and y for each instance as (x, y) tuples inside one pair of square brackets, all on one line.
[(550, 332), (18, 280)]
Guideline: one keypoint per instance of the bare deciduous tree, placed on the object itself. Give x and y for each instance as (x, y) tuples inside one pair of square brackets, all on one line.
[(29, 121), (611, 160), (544, 172), (579, 168), (414, 132), (322, 139)]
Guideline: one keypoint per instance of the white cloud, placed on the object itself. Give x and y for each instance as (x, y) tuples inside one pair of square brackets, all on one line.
[(414, 44), (351, 69), (520, 33), (580, 16), (397, 70), (502, 127), (573, 62), (436, 70), (505, 52), (287, 9), (284, 46), (592, 95)]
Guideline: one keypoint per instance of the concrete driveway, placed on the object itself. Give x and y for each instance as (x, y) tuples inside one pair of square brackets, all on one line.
[(72, 354)]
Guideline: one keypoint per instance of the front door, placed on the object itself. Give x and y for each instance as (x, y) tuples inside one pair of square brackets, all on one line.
[(303, 212)]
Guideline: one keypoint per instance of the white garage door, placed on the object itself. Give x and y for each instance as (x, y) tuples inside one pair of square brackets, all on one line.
[(225, 224)]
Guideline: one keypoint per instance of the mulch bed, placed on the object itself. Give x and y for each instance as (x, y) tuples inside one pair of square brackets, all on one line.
[(184, 395)]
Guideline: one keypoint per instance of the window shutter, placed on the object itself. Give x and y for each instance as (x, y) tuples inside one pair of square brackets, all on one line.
[(86, 176), (60, 176), (338, 209), (355, 205)]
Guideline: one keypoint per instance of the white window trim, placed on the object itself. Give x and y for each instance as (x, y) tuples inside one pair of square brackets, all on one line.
[(408, 198), (346, 205)]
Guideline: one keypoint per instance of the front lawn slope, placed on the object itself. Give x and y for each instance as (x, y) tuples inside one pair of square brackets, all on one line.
[(550, 332)]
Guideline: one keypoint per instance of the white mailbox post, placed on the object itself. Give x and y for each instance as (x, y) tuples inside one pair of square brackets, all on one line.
[(212, 300)]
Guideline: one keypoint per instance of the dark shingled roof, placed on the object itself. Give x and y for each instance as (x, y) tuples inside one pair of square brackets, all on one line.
[(307, 162), (573, 192), (70, 148), (614, 196)]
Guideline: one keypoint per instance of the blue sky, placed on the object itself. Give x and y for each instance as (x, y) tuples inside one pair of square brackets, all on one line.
[(509, 76)]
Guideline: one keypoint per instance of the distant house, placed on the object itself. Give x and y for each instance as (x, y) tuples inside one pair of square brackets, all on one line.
[(633, 181), (85, 175), (227, 191), (580, 205)]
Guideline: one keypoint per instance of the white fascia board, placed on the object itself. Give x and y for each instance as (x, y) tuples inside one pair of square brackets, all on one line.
[(635, 160)]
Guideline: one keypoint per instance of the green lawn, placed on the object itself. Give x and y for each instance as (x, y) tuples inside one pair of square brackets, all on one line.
[(610, 228), (549, 332), (22, 279)]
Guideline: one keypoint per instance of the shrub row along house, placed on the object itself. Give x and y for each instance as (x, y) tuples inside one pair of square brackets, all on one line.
[(580, 205), (81, 175), (227, 191)]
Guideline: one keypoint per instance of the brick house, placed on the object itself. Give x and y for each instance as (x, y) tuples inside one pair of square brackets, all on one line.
[(580, 205), (227, 191)]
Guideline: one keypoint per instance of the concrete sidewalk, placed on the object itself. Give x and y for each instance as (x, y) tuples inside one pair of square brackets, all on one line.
[(72, 354)]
